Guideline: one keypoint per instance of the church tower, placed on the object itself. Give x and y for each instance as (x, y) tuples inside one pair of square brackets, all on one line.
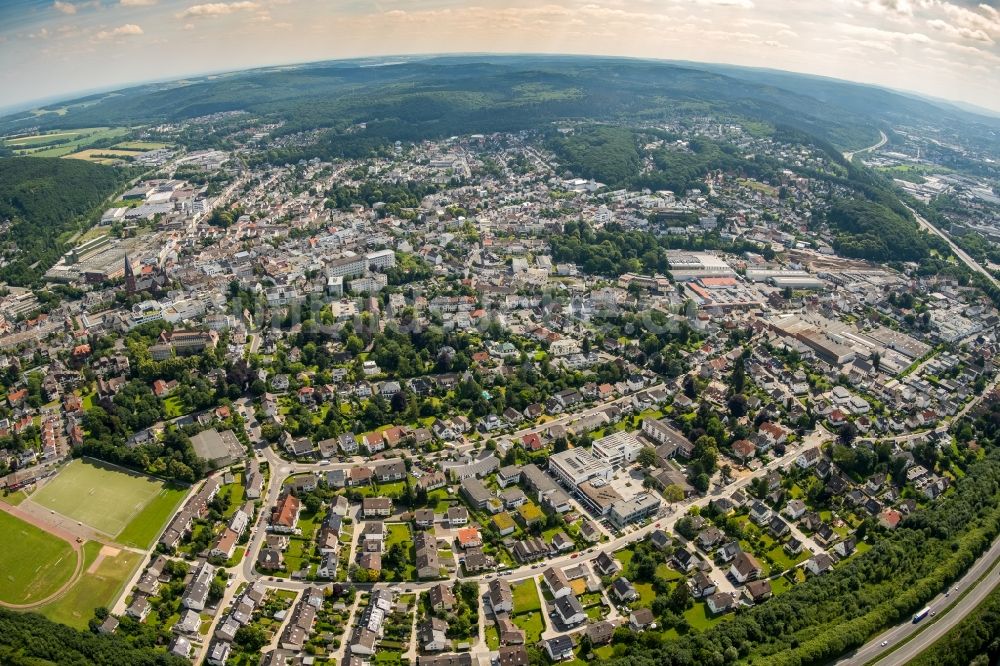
[(129, 276)]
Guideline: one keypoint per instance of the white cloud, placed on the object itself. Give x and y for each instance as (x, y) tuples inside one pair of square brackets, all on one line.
[(901, 7), (136, 3), (877, 34), (127, 30), (64, 7), (958, 32), (742, 4), (217, 9)]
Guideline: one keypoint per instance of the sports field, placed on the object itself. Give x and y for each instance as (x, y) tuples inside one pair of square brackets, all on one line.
[(109, 499), (104, 577), (33, 563)]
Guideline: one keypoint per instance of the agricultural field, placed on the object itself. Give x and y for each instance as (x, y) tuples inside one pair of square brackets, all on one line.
[(62, 142), (33, 563), (39, 139), (101, 155), (111, 500), (140, 145), (106, 571)]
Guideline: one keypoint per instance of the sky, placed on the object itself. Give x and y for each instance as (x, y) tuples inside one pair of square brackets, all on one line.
[(56, 48)]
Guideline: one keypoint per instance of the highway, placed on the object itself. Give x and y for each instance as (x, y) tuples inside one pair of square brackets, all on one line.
[(850, 154), (959, 252), (880, 649)]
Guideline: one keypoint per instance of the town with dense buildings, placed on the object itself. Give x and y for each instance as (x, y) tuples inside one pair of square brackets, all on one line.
[(455, 405)]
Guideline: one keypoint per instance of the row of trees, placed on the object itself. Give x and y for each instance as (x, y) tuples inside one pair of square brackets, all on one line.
[(32, 640)]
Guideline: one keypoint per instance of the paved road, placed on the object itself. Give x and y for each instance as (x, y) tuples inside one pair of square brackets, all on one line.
[(279, 470), (850, 155), (874, 650), (959, 252)]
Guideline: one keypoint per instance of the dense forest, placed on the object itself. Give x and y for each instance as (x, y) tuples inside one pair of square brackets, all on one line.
[(32, 640), (869, 230), (46, 199), (605, 154)]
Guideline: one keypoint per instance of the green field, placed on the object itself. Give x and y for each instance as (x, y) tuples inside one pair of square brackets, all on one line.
[(100, 588), (15, 497), (44, 145), (33, 563), (140, 145), (147, 525), (40, 139), (109, 499)]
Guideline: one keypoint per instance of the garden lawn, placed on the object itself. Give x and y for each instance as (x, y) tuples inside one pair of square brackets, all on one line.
[(526, 597), (646, 594), (173, 407), (625, 557), (699, 617), (667, 573), (492, 639), (781, 559), (234, 491), (533, 625), (400, 533)]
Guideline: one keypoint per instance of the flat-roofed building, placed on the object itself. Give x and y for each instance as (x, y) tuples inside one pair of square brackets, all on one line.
[(638, 508), (598, 496), (617, 449), (574, 466)]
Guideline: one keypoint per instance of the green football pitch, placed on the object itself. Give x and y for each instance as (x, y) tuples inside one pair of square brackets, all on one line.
[(33, 563), (106, 498)]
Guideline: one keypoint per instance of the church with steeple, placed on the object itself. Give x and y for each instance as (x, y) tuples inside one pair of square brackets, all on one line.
[(129, 276)]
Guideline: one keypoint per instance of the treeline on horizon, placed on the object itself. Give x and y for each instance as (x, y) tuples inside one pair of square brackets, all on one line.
[(444, 97)]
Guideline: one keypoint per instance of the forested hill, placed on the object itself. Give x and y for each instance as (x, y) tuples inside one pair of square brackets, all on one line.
[(433, 97), (47, 199)]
